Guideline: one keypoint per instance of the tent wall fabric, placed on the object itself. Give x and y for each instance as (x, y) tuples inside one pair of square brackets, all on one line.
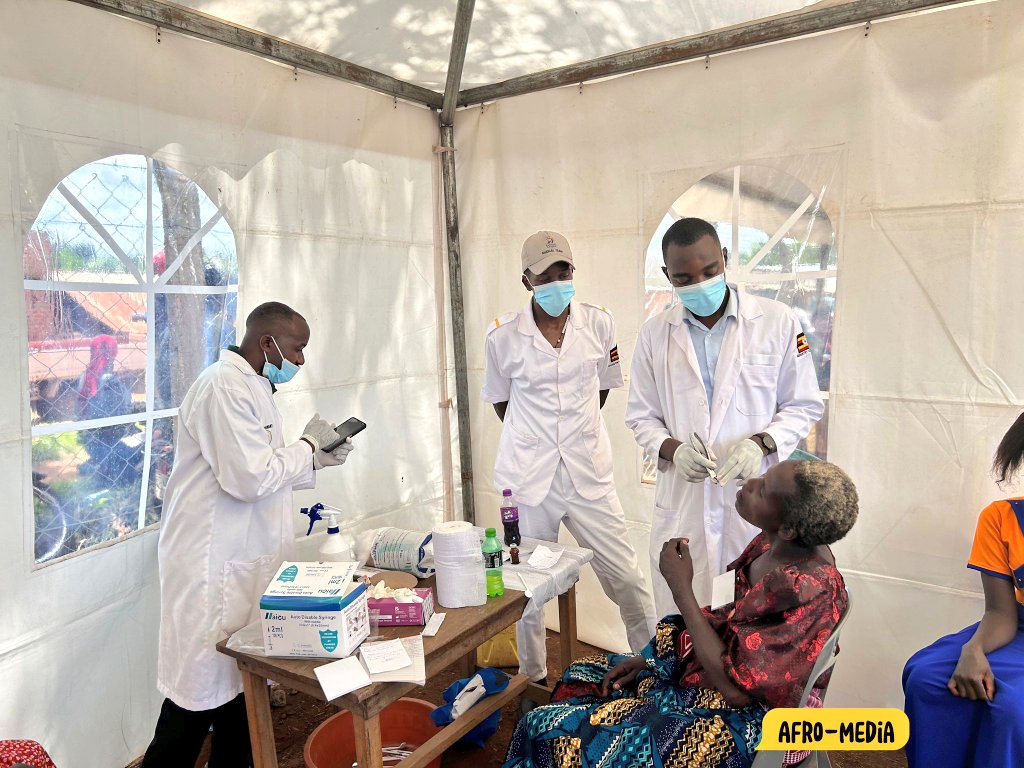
[(926, 375), (331, 191)]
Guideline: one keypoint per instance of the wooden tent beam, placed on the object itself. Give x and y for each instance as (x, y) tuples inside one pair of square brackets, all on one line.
[(195, 24)]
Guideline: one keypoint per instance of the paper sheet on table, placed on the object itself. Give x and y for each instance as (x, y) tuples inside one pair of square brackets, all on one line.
[(543, 557), (433, 625), (416, 672), (342, 676), (385, 656)]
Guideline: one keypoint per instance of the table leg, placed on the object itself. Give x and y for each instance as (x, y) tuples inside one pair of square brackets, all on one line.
[(261, 725), (369, 752), (467, 667), (567, 626)]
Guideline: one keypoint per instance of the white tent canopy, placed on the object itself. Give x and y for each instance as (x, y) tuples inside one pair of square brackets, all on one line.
[(893, 146), (412, 40)]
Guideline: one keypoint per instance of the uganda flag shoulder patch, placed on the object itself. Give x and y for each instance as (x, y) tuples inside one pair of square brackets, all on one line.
[(802, 347), (613, 355)]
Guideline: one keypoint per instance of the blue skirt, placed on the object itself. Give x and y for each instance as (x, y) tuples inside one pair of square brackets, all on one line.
[(951, 732)]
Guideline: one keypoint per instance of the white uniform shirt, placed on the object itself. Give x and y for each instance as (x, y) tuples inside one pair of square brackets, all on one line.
[(227, 522), (554, 409), (764, 382)]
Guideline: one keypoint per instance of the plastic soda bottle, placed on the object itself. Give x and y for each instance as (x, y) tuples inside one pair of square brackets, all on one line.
[(510, 519), (492, 564)]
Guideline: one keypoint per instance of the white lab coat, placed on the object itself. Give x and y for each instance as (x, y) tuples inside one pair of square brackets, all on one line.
[(762, 384), (227, 524), (554, 407)]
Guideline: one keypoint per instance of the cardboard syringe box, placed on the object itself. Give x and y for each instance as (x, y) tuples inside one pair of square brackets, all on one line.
[(314, 609)]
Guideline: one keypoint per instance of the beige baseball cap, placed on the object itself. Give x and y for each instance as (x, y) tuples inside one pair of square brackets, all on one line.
[(544, 248)]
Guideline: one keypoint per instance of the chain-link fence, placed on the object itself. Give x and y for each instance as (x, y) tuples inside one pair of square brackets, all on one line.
[(130, 284)]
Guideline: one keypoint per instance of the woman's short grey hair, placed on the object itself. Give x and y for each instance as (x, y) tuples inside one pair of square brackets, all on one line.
[(824, 507)]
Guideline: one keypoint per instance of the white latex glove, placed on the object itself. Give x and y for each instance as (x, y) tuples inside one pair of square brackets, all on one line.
[(743, 463), (319, 432), (691, 464), (336, 457)]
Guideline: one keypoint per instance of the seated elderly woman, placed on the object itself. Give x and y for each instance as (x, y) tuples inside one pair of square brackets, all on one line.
[(697, 693)]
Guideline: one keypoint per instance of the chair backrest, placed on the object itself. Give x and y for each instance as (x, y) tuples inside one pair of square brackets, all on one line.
[(827, 657), (826, 660)]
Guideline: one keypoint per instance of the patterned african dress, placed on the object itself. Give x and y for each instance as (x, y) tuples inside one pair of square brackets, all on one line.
[(671, 715)]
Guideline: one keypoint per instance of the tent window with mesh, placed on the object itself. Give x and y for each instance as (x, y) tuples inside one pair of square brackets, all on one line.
[(131, 279)]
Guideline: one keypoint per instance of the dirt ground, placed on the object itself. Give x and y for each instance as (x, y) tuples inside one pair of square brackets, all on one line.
[(294, 722)]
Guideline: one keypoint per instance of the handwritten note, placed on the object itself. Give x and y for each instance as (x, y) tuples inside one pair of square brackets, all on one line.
[(416, 672), (384, 657)]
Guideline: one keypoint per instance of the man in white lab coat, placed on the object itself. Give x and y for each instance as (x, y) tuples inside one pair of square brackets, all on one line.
[(548, 370), (227, 523), (734, 368)]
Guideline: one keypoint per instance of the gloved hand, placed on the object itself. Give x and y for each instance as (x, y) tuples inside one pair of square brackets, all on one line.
[(691, 464), (319, 433), (335, 458), (743, 463)]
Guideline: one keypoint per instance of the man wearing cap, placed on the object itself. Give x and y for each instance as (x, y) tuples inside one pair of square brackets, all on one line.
[(548, 370)]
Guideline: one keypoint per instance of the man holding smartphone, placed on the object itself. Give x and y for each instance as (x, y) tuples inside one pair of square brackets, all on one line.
[(548, 370), (227, 524)]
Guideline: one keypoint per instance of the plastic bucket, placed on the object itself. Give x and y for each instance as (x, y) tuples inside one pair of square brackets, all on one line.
[(332, 744)]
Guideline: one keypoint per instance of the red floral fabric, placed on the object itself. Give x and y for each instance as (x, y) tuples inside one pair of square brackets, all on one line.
[(775, 630), (17, 751)]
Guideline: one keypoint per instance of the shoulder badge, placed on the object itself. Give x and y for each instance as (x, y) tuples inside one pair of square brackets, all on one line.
[(802, 347), (505, 319)]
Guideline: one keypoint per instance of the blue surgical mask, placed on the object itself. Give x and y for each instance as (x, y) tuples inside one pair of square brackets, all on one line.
[(280, 375), (553, 298), (704, 299)]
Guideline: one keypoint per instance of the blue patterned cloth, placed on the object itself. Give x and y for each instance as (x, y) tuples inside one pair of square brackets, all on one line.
[(653, 722)]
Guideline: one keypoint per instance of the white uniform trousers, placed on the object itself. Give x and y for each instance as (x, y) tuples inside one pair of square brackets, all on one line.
[(599, 526)]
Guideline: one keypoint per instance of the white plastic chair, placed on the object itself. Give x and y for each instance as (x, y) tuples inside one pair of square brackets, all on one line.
[(827, 659)]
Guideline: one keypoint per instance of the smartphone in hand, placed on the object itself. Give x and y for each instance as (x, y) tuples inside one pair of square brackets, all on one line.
[(345, 430)]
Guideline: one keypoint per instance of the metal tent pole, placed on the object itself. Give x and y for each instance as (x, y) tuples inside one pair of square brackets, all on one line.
[(460, 38)]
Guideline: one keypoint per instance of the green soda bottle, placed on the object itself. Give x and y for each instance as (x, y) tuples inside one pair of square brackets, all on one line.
[(492, 564)]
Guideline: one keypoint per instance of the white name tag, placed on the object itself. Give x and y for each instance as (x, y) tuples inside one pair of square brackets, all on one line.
[(723, 589)]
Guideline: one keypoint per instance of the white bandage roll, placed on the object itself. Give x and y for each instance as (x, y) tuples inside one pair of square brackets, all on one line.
[(458, 561)]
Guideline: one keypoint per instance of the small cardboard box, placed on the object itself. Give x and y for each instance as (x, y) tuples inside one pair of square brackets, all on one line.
[(314, 609), (392, 613)]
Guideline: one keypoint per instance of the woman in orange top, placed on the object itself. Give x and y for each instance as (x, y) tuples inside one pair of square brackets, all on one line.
[(965, 692)]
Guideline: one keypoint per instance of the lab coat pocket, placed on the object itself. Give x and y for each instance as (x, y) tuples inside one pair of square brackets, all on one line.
[(665, 524), (523, 448), (243, 584), (757, 388)]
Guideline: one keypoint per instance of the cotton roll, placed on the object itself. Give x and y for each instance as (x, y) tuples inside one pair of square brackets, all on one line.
[(459, 565)]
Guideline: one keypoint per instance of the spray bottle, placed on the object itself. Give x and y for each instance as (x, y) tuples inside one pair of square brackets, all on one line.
[(338, 546)]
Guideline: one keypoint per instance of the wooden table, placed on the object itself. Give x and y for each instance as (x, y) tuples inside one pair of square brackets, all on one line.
[(462, 631)]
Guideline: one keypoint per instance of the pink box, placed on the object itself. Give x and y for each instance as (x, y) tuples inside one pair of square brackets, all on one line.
[(391, 613)]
